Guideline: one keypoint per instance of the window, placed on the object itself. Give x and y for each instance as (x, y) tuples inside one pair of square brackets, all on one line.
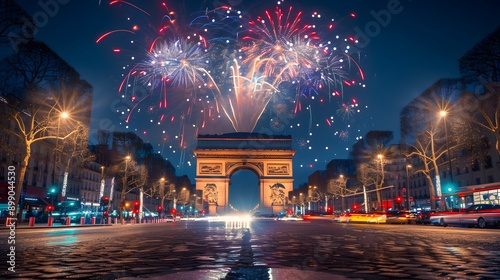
[(478, 181), (475, 166), (490, 179), (488, 163)]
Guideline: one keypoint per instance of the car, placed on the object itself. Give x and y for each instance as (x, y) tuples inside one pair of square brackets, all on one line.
[(171, 218), (424, 217), (400, 217), (289, 218), (361, 217), (479, 215)]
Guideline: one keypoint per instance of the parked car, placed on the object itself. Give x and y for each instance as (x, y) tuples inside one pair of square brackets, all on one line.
[(171, 218), (400, 217), (424, 217), (480, 215)]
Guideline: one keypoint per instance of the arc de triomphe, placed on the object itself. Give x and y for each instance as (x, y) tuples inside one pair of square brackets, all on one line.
[(269, 157)]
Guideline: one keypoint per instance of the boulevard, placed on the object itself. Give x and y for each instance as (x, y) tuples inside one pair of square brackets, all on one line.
[(301, 249)]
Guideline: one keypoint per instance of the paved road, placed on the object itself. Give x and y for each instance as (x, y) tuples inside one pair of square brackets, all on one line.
[(294, 250)]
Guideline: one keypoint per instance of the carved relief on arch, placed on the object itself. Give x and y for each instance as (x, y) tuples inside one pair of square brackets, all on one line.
[(277, 194), (210, 193)]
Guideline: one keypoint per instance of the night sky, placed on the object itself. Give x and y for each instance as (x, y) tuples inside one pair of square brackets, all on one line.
[(420, 43)]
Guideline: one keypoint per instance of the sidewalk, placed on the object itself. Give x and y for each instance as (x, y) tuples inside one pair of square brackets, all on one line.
[(25, 225)]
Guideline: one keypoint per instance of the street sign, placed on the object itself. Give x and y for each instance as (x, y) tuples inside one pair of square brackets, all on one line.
[(404, 190), (410, 198)]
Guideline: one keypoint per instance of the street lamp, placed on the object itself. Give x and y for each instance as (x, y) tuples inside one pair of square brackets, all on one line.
[(343, 190), (63, 115), (125, 181), (443, 114), (408, 166), (381, 158), (302, 212)]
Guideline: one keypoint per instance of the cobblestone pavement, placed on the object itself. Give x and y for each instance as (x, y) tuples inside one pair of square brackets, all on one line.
[(298, 250)]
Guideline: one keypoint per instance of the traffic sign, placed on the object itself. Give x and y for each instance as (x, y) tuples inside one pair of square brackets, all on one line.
[(410, 198)]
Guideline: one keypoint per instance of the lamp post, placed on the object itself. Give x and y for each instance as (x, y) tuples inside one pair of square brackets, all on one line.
[(162, 194), (443, 114), (381, 158), (408, 166), (63, 115), (302, 212), (343, 190), (124, 182)]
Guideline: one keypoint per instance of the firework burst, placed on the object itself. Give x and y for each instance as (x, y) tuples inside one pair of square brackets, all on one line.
[(227, 66)]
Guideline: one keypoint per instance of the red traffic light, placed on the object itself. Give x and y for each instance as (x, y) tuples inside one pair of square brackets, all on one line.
[(50, 208), (105, 198), (136, 203), (399, 199), (160, 208)]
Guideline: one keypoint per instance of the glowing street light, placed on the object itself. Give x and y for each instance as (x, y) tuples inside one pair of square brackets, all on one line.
[(408, 166), (443, 114), (381, 158), (125, 180), (63, 115)]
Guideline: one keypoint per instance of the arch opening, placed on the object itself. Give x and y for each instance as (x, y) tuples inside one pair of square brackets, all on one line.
[(244, 190)]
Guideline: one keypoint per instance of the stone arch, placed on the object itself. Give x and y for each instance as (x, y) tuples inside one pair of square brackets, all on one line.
[(218, 157)]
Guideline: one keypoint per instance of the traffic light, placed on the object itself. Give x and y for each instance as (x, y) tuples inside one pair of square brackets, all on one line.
[(399, 201), (136, 207), (50, 208), (160, 209), (104, 201), (51, 192)]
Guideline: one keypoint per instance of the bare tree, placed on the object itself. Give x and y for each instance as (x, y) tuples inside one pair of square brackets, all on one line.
[(133, 176), (37, 86), (482, 62), (370, 155), (75, 151), (33, 123), (421, 112), (35, 68), (428, 127), (483, 111), (15, 24), (425, 149), (338, 187)]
